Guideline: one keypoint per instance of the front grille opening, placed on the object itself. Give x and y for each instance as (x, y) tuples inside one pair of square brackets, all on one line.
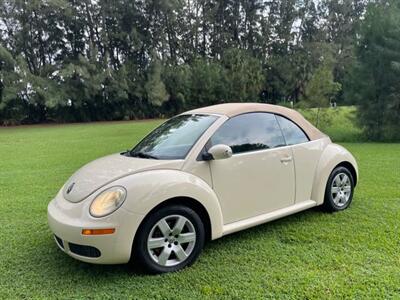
[(83, 250), (59, 242)]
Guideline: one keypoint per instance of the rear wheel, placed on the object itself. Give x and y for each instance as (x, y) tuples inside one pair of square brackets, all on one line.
[(339, 189), (169, 239)]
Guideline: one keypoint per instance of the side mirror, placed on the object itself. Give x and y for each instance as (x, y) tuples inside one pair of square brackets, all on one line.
[(218, 152)]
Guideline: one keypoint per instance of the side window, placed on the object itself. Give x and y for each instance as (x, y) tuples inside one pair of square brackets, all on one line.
[(249, 132), (292, 133)]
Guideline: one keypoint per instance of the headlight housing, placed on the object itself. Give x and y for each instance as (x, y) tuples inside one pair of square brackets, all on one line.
[(107, 201)]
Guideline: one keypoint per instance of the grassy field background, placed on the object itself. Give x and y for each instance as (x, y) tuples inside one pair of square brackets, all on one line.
[(339, 123), (310, 255)]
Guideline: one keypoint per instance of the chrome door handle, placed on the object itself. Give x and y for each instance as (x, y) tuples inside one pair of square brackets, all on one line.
[(286, 159)]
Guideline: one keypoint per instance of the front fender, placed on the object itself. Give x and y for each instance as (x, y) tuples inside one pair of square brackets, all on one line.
[(148, 189), (332, 156)]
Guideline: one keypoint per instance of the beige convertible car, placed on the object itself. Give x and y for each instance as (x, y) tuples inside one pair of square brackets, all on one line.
[(199, 176)]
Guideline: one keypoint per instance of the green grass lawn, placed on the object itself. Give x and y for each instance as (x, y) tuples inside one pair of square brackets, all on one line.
[(310, 255)]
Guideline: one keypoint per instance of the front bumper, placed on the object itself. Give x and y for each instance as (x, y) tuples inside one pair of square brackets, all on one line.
[(66, 220)]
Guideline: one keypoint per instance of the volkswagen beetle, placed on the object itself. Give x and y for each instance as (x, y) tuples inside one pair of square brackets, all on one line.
[(199, 176)]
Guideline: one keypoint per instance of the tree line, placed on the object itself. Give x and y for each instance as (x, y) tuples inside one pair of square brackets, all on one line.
[(89, 60)]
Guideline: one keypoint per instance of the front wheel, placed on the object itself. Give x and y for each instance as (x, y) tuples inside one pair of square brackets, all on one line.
[(339, 190), (169, 239)]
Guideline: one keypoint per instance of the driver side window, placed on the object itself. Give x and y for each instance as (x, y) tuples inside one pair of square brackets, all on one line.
[(249, 132)]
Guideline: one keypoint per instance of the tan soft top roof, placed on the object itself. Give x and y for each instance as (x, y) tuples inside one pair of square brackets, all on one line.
[(234, 109)]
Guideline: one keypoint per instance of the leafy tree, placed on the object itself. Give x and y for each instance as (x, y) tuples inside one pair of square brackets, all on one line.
[(206, 83), (374, 82), (177, 81), (155, 87), (12, 107), (319, 92), (321, 88), (243, 76), (82, 60), (341, 30)]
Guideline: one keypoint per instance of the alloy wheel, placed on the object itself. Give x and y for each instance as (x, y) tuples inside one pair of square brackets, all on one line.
[(341, 189), (171, 240)]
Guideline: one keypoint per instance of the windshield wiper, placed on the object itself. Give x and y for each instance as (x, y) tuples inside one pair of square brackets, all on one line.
[(143, 155), (126, 153)]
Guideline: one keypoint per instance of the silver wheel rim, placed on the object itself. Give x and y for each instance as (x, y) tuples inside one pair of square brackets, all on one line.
[(341, 189), (171, 240)]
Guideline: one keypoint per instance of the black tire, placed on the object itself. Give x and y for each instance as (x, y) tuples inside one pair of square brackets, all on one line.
[(141, 253), (330, 204)]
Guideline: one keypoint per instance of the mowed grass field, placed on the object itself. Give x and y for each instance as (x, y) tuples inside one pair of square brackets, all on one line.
[(310, 255)]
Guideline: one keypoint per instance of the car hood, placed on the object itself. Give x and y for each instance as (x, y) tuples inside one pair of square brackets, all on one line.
[(102, 171)]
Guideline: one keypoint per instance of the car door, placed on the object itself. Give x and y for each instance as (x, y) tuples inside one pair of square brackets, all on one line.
[(259, 177), (306, 155)]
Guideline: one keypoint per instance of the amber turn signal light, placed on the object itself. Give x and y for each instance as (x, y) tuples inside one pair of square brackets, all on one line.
[(98, 231)]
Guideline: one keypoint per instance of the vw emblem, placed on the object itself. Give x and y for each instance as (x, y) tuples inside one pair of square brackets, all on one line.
[(70, 188)]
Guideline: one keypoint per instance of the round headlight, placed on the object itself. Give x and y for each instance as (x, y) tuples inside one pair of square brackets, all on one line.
[(108, 201)]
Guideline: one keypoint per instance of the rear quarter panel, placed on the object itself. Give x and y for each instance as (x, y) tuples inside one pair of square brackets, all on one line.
[(306, 159)]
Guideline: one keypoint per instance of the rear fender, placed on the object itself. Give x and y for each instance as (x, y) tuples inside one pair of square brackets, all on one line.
[(332, 156)]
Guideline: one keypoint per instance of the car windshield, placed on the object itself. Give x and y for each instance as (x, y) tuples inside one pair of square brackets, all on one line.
[(174, 138)]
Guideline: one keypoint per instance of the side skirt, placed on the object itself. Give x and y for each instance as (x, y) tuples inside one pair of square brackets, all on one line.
[(264, 218)]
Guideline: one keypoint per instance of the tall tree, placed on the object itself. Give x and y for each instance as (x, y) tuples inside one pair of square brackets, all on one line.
[(374, 82), (82, 60)]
